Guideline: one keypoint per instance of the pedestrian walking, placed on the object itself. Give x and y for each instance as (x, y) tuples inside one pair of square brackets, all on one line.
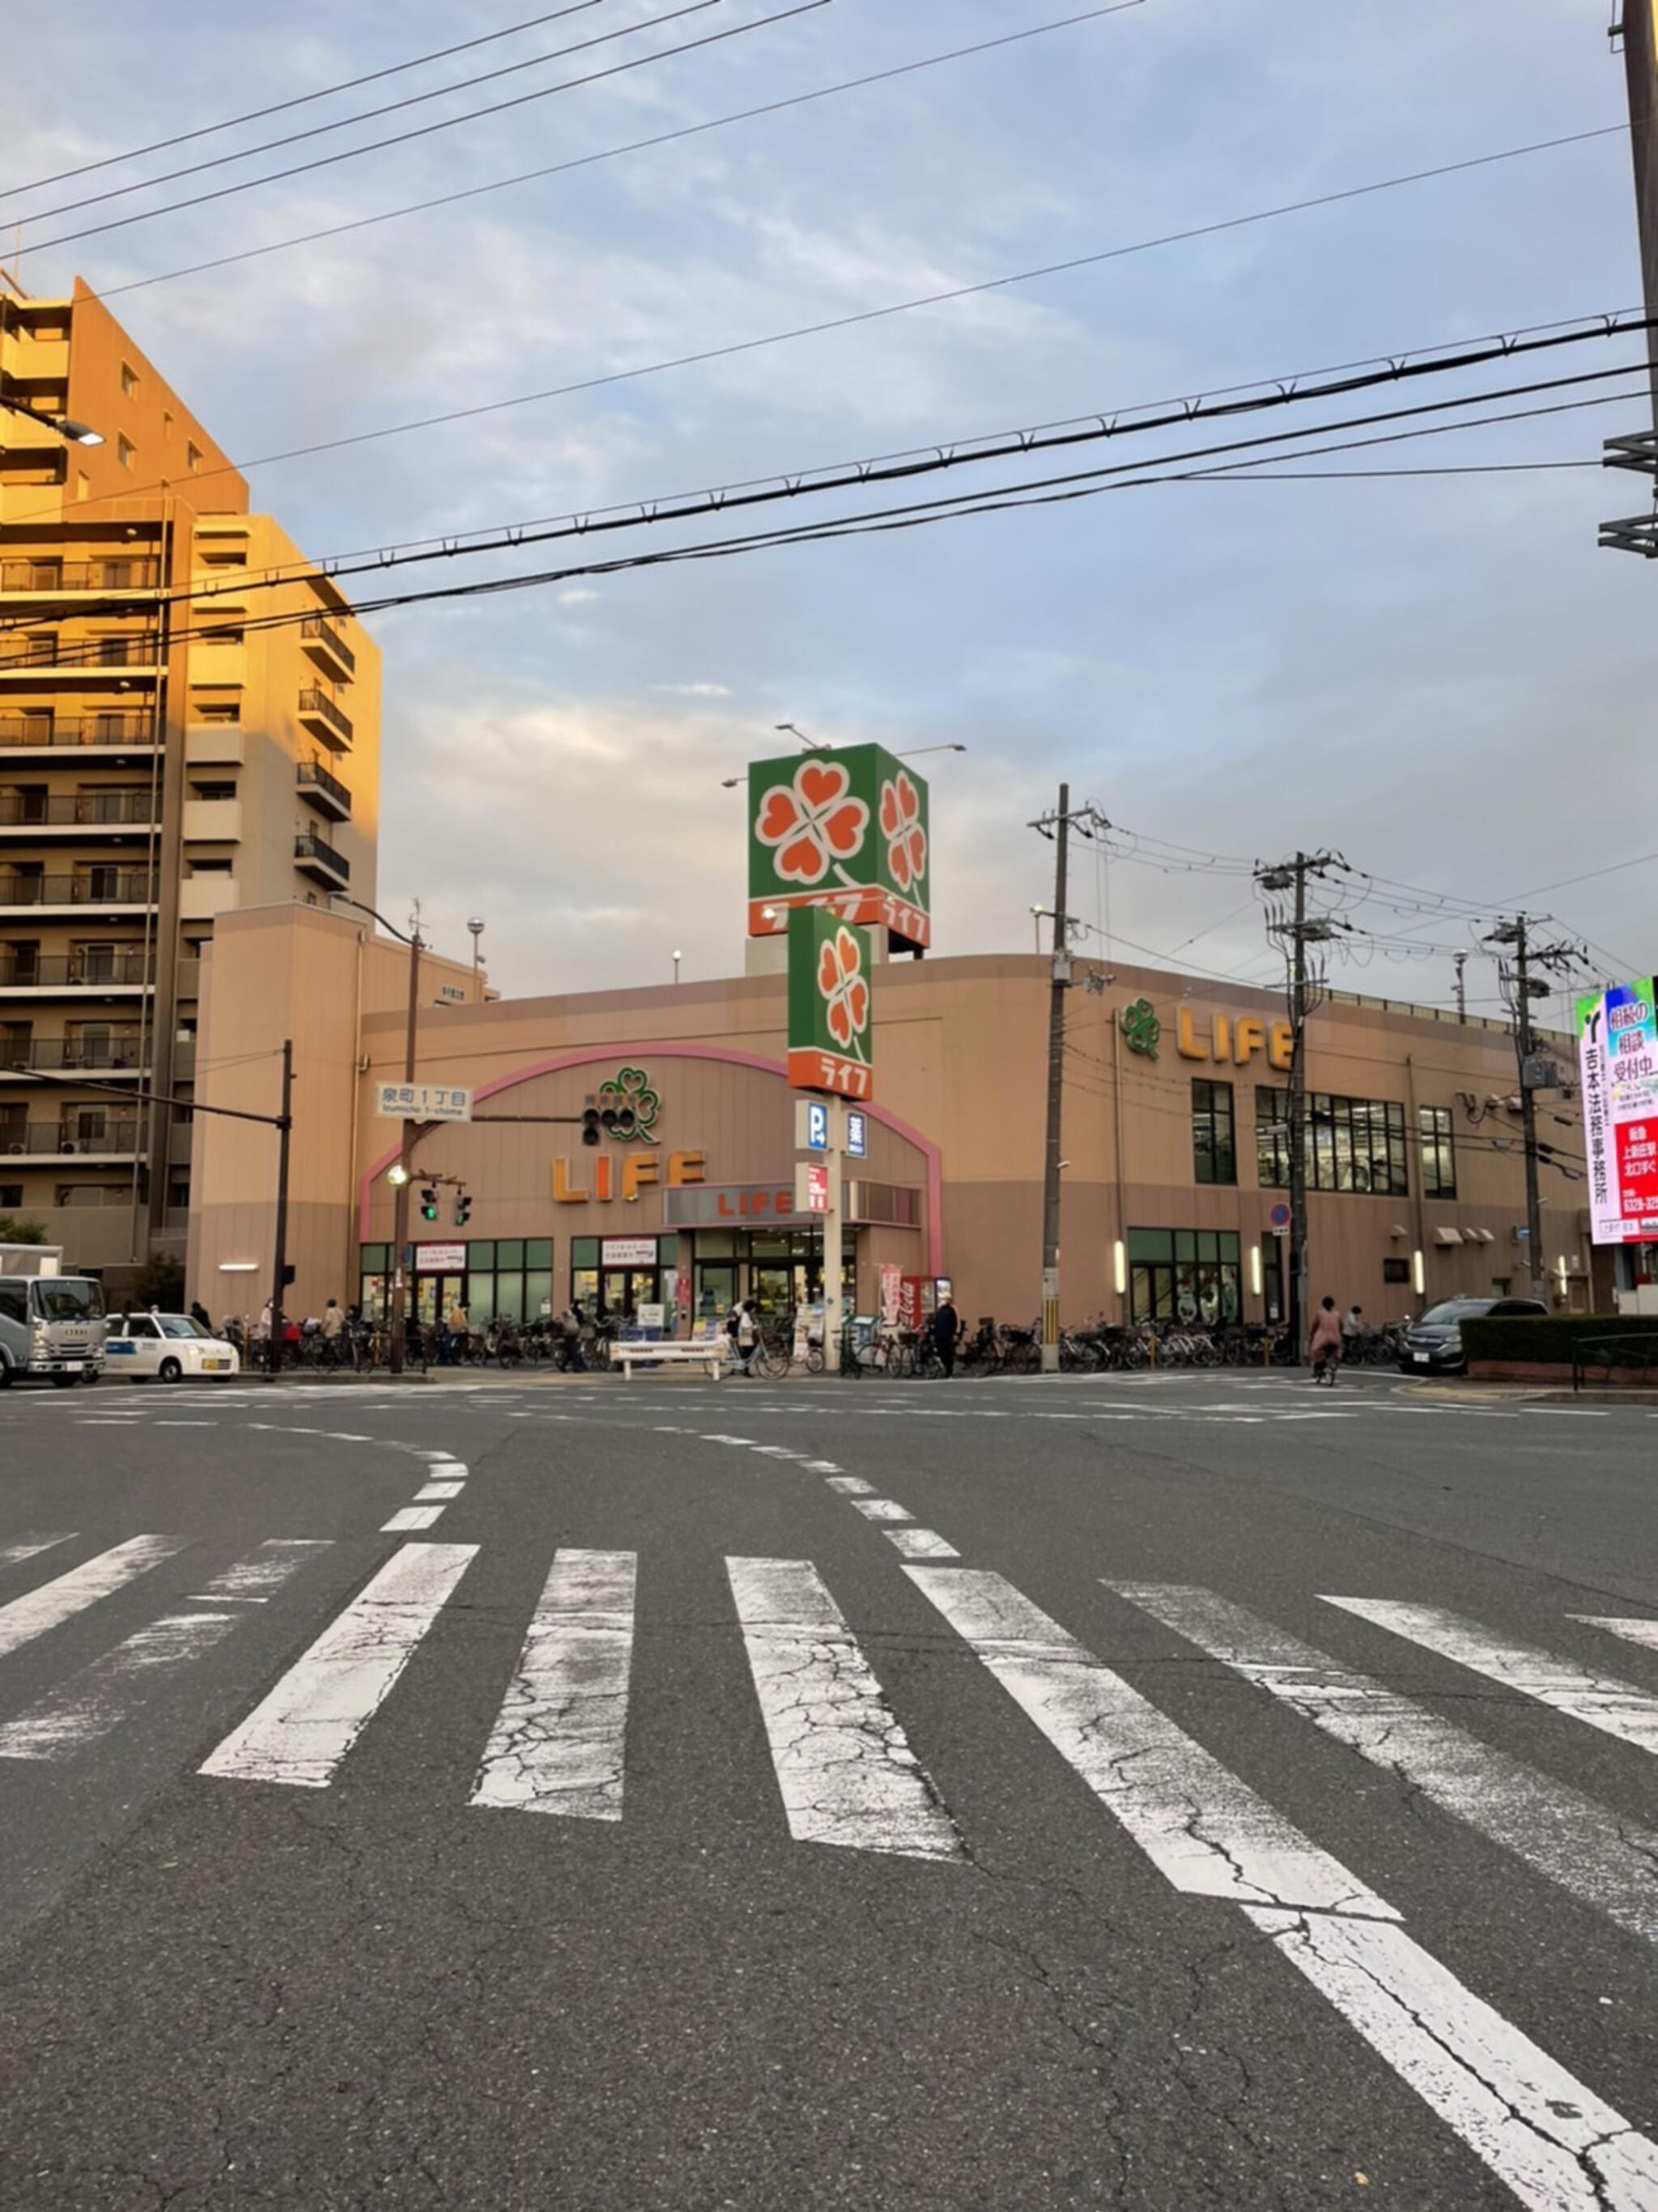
[(199, 1314), (748, 1335), (1324, 1343), (333, 1321), (569, 1339), (946, 1327)]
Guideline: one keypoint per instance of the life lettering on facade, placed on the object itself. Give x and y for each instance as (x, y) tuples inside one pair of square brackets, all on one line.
[(640, 1171), (1233, 1042)]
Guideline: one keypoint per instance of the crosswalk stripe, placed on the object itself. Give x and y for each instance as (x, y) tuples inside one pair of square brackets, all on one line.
[(920, 1544), (879, 1509), (558, 1743), (1202, 1827), (1552, 1827), (25, 1547), (1600, 1701), (33, 1615), (408, 1518), (302, 1730), (1557, 2147), (1633, 1631), (843, 1765), (104, 1694)]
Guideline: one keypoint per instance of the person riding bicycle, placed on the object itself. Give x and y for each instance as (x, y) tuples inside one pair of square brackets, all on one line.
[(1324, 1342)]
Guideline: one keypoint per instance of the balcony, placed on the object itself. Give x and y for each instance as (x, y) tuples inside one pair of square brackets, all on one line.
[(323, 719), (101, 1052), (324, 645), (76, 971), (207, 894), (50, 1141), (324, 792), (213, 821), (97, 890), (35, 734), (59, 579), (314, 858), (79, 810), (28, 659)]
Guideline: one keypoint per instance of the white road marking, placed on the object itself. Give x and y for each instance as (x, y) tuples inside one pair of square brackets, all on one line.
[(409, 1518), (444, 1490), (32, 1615), (920, 1544), (558, 1743), (880, 1509), (1600, 1701), (846, 1772), (1205, 1830), (300, 1733), (250, 1581), (1633, 1631), (25, 1547), (1566, 1837), (1550, 2139), (852, 1485), (822, 1466), (101, 1696)]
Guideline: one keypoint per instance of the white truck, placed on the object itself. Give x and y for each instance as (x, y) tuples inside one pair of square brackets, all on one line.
[(51, 1325)]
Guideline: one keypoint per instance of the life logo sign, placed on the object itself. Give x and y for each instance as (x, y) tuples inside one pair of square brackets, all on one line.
[(831, 1007), (847, 830)]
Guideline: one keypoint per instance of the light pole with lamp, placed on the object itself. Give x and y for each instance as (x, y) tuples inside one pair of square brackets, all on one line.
[(398, 1175), (77, 433), (731, 782), (678, 957), (474, 923)]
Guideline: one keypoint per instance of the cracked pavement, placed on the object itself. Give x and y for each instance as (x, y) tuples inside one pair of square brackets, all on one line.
[(808, 1910)]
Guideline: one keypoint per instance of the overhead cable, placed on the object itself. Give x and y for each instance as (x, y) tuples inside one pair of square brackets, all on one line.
[(282, 106), (449, 122)]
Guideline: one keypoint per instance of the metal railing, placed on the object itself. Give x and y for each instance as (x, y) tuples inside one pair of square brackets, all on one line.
[(314, 777), (310, 848), (91, 808), (47, 731), (98, 887), (1631, 1352), (80, 652), (103, 1054), (19, 1136), (53, 970), (317, 702), (319, 628), (124, 574)]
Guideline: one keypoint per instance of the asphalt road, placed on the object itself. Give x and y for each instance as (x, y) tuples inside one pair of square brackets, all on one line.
[(1152, 1792)]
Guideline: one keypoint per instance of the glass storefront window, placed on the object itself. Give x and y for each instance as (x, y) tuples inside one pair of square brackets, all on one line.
[(1214, 1154), (509, 1253), (1191, 1275), (1352, 1144)]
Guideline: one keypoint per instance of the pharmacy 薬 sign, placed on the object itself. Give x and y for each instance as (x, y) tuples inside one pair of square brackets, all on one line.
[(1618, 1069)]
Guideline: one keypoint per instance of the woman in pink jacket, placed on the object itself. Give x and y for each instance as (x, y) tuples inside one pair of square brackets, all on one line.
[(1324, 1344)]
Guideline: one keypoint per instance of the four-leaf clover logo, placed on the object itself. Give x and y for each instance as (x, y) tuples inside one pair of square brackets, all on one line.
[(812, 823), (1142, 1030), (631, 1086), (901, 825), (844, 988)]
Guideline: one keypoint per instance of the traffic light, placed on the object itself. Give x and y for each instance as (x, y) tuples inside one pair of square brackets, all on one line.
[(428, 1202), (598, 1121), (590, 1128), (462, 1209), (619, 1120)]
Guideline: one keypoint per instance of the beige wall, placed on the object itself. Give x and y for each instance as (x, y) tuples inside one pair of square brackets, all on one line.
[(960, 1058)]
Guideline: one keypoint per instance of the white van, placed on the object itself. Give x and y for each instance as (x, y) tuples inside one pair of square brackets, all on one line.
[(51, 1326)]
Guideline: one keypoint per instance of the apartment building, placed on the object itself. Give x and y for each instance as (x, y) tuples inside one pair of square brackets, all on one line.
[(189, 725)]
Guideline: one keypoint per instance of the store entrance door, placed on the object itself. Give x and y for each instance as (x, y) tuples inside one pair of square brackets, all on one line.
[(623, 1291), (436, 1297)]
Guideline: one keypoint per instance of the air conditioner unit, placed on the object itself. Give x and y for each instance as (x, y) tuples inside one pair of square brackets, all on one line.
[(68, 1145), (16, 1151)]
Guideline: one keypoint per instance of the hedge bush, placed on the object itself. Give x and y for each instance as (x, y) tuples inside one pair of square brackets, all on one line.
[(1550, 1340)]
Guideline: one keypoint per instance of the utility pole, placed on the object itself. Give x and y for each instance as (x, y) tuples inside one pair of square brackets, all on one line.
[(1087, 820), (1297, 933), (273, 1350), (1637, 27), (1521, 987), (1461, 960), (406, 1154)]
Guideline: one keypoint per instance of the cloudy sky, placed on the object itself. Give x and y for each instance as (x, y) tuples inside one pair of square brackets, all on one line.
[(1439, 675)]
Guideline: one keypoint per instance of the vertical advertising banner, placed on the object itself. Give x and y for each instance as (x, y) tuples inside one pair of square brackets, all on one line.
[(831, 1006), (1618, 1065), (845, 830)]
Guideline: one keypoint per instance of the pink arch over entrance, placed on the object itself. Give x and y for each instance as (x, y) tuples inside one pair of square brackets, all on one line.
[(589, 1057)]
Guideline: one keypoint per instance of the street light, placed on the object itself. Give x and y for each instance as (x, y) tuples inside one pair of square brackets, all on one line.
[(78, 434), (398, 1175), (678, 957), (474, 923), (731, 782)]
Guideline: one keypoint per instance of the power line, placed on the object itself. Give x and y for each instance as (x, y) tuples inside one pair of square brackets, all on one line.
[(659, 138), (1284, 392), (450, 122), (282, 106), (1038, 492)]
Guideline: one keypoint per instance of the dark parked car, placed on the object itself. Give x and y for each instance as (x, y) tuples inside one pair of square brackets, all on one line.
[(1433, 1345)]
